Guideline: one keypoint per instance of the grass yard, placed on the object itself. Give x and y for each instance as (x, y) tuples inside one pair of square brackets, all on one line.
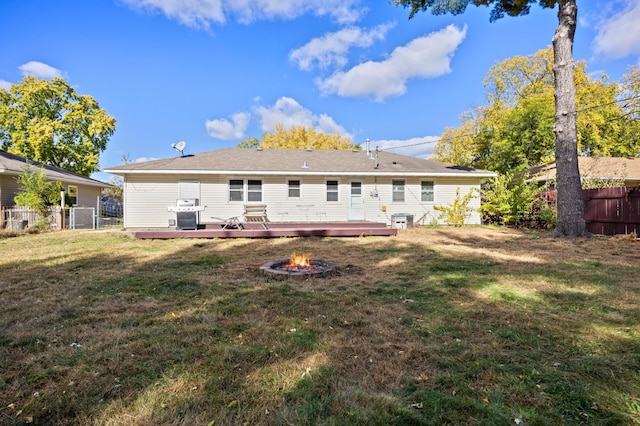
[(434, 326)]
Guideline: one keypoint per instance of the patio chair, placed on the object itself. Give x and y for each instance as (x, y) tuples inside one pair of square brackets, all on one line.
[(256, 213), (230, 223)]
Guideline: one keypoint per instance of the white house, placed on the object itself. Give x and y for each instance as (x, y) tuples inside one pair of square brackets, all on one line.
[(295, 185)]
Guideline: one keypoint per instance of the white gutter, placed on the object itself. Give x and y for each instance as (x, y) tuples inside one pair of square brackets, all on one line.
[(295, 172)]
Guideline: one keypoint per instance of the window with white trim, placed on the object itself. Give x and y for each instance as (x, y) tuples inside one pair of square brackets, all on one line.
[(236, 190), (426, 191), (294, 188), (72, 191), (397, 191), (254, 190), (332, 190)]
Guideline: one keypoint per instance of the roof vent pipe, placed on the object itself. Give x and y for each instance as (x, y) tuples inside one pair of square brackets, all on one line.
[(368, 147), (377, 151)]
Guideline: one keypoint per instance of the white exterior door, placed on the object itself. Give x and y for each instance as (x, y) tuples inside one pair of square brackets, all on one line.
[(189, 189), (356, 201)]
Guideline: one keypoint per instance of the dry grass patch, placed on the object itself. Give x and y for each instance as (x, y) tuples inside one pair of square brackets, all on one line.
[(434, 326)]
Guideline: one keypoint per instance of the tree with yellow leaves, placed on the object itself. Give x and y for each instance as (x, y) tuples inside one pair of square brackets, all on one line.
[(48, 122), (298, 137), (515, 128)]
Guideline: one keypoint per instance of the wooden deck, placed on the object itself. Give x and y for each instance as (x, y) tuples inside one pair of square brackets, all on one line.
[(273, 230)]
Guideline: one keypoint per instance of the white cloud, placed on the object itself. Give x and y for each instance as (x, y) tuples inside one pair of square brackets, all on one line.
[(40, 70), (424, 57), (327, 125), (4, 84), (618, 35), (192, 13), (228, 130), (332, 48), (341, 11), (415, 147), (202, 13), (289, 112), (285, 111)]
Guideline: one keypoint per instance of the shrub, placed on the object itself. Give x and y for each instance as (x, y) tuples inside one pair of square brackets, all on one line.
[(509, 199), (37, 193), (457, 212), (547, 216)]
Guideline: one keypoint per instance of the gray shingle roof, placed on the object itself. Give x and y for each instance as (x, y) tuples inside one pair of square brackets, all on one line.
[(297, 162), (12, 164)]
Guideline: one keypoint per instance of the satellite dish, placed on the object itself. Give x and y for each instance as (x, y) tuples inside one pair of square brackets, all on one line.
[(180, 146)]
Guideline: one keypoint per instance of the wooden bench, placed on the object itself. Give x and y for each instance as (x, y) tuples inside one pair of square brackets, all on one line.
[(256, 213)]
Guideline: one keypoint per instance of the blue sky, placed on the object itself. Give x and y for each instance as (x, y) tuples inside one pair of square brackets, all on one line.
[(213, 72)]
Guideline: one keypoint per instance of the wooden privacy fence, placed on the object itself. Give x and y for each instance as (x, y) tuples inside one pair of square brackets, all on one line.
[(608, 211), (612, 211)]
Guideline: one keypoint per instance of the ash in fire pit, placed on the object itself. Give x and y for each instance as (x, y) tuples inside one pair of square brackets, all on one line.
[(299, 266)]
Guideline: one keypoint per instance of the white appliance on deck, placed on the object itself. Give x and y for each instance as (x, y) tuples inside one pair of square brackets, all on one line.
[(187, 213)]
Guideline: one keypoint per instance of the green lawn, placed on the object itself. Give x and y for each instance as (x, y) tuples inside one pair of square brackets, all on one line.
[(434, 326)]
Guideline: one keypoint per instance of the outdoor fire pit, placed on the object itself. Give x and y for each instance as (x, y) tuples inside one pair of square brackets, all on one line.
[(299, 266)]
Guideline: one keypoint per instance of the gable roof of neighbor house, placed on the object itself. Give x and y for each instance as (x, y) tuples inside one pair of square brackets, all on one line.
[(295, 162), (14, 165), (627, 169)]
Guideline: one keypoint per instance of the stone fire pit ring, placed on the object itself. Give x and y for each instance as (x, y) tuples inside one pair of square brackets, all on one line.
[(318, 269)]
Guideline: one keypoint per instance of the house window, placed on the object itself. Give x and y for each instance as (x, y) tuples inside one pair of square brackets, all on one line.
[(398, 191), (332, 190), (427, 191), (72, 191), (294, 189), (254, 190), (236, 190)]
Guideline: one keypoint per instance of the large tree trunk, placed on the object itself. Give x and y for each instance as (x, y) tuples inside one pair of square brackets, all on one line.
[(570, 201)]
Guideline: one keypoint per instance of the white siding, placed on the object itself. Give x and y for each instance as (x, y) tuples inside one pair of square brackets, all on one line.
[(312, 204), (215, 197), (382, 208), (450, 187), (148, 196), (146, 199)]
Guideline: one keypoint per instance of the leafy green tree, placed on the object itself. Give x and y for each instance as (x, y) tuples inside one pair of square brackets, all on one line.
[(516, 127), (517, 78), (48, 122), (36, 191), (457, 144), (629, 93), (509, 198), (249, 143), (571, 220), (298, 137)]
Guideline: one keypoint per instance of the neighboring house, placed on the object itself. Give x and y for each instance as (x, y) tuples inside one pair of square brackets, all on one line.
[(83, 191), (294, 185), (626, 170)]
